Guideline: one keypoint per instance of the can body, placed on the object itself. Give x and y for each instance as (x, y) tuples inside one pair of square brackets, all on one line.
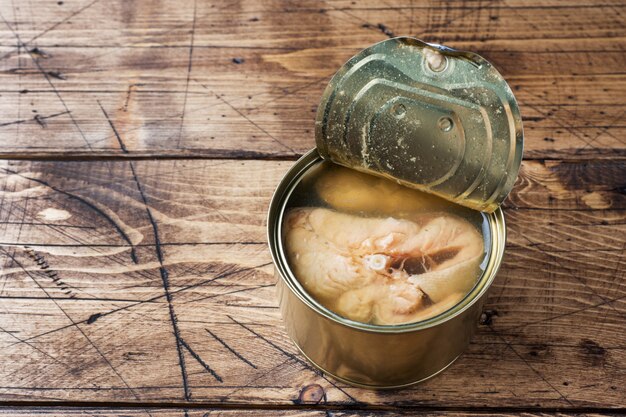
[(368, 355)]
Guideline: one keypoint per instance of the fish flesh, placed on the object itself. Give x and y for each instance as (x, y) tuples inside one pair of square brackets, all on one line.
[(383, 270), (349, 190)]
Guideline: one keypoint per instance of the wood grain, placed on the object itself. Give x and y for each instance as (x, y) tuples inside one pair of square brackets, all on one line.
[(242, 79), (81, 290)]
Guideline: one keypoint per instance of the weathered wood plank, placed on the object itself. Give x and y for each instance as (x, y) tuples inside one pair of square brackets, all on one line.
[(171, 412), (225, 201), (225, 23), (212, 412), (563, 185), (134, 64), (85, 316)]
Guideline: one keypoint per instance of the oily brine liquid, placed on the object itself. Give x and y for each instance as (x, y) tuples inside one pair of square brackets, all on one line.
[(377, 252)]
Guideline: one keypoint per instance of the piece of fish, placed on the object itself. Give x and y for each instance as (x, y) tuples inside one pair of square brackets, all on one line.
[(349, 190), (382, 270)]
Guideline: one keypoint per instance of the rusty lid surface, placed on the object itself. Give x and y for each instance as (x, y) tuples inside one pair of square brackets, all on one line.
[(430, 117)]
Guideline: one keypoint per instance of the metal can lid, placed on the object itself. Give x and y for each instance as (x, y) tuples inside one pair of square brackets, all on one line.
[(430, 117)]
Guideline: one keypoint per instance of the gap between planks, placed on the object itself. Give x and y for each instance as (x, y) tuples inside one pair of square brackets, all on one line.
[(98, 406), (230, 155)]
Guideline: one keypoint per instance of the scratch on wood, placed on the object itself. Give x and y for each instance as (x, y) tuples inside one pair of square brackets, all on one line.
[(381, 27), (149, 300), (189, 66), (563, 397), (66, 19), (239, 112), (47, 77), (131, 88), (201, 361), (195, 300), (574, 273), (603, 130), (233, 351), (57, 75), (272, 344), (11, 334), (41, 120), (569, 313), (92, 319), (117, 135), (74, 324), (295, 358), (166, 284), (52, 274), (39, 53), (88, 204)]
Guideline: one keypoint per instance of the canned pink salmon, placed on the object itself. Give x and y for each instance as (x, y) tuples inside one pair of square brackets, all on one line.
[(380, 284)]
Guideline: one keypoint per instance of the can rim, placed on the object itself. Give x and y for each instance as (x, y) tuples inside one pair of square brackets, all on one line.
[(276, 212)]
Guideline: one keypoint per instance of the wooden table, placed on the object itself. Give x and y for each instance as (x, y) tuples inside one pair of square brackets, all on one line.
[(142, 141)]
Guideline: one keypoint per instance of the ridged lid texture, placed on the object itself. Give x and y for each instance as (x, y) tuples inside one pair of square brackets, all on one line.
[(430, 117)]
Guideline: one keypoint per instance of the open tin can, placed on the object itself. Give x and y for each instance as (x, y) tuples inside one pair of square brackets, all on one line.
[(430, 118)]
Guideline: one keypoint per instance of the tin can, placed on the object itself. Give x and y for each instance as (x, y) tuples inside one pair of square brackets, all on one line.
[(368, 355), (368, 110)]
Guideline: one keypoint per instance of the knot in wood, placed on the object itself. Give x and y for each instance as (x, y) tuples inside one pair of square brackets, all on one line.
[(311, 394)]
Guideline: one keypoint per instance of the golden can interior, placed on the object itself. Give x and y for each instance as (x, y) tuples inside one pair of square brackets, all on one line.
[(377, 252)]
